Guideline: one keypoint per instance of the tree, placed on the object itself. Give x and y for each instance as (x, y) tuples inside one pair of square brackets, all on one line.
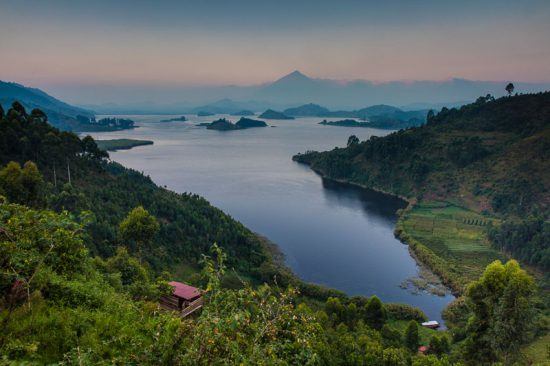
[(32, 182), (353, 140), (509, 89), (430, 116), (139, 227), (439, 345), (502, 305), (375, 313), (411, 336), (21, 185), (1, 112), (35, 246), (18, 107)]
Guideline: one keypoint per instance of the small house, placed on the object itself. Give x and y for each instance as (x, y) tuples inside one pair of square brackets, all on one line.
[(432, 324), (184, 298)]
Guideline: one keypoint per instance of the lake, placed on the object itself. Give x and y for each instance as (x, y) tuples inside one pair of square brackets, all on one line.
[(331, 234)]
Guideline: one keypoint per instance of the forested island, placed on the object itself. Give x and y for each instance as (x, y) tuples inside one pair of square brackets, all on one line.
[(381, 122), (106, 124), (271, 114), (121, 144), (175, 119), (345, 123), (223, 124)]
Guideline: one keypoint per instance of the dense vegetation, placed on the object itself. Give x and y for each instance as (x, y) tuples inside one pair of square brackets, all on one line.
[(78, 177), (492, 156), (121, 144), (83, 242)]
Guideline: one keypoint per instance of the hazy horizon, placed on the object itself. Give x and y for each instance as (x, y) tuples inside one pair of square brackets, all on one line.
[(137, 51)]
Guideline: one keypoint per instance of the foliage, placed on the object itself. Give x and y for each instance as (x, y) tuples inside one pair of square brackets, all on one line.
[(22, 185), (528, 239), (375, 313), (411, 338), (139, 227), (502, 308)]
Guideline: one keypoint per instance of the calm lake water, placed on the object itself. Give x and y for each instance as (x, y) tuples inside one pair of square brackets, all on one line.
[(331, 234)]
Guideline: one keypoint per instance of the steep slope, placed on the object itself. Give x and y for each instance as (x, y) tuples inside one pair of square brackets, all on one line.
[(60, 114)]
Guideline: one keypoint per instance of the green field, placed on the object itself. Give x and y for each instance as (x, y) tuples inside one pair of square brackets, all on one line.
[(121, 144), (455, 235)]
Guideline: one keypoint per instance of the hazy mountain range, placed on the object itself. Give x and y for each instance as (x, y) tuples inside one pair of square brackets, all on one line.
[(292, 90), (296, 89)]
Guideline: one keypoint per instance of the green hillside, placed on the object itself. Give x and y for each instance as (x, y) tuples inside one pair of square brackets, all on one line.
[(60, 114), (491, 157)]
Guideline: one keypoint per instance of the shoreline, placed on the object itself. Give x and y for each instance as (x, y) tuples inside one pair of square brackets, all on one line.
[(422, 255)]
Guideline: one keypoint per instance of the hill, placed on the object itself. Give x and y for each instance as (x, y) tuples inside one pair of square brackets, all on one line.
[(271, 114), (307, 110), (491, 157), (60, 114), (109, 191)]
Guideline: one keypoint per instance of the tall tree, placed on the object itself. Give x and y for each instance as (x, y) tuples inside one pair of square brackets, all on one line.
[(139, 227), (502, 305), (430, 116), (509, 89), (411, 336), (353, 140), (375, 313)]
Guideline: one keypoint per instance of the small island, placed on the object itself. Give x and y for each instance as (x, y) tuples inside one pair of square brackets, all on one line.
[(345, 123), (105, 124), (204, 114), (121, 144), (381, 122), (175, 119), (271, 114), (244, 112), (223, 124)]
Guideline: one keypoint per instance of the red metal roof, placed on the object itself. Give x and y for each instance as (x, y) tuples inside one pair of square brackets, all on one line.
[(185, 291)]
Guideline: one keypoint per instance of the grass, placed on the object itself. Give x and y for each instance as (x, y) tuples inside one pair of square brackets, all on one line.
[(121, 144), (455, 235)]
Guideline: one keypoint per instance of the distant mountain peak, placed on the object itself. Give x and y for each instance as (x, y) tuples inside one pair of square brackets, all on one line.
[(294, 75)]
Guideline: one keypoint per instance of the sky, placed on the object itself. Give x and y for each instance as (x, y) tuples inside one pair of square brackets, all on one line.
[(164, 43)]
